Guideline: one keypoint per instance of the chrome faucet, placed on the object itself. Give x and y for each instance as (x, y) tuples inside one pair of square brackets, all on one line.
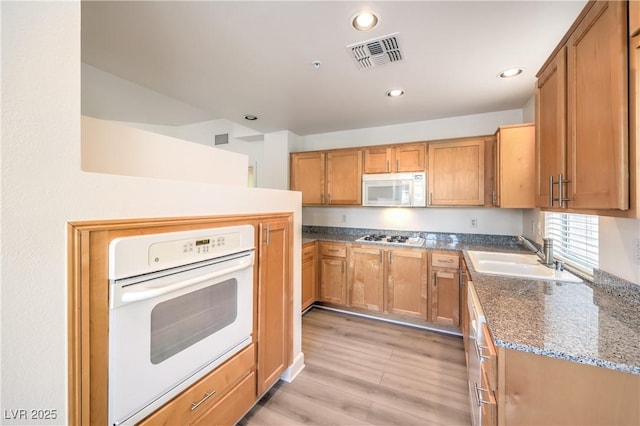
[(546, 256)]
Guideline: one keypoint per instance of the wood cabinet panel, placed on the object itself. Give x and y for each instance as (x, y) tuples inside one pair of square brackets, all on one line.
[(551, 133), (395, 159), (308, 176), (309, 275), (333, 273), (366, 278), (232, 406), (344, 177), (634, 17), (456, 173), (597, 142), (274, 302), (377, 159), (445, 297), (410, 158), (205, 393), (514, 167), (407, 283)]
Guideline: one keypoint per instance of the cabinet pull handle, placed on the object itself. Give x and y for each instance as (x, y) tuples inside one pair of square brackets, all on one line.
[(334, 250), (435, 279), (494, 198), (207, 395), (328, 198), (562, 181), (267, 240), (389, 258), (461, 277), (387, 165), (551, 183), (479, 396), (321, 198), (430, 198), (397, 165), (342, 267)]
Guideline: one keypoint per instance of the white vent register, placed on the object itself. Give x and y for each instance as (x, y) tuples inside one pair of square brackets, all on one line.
[(377, 51)]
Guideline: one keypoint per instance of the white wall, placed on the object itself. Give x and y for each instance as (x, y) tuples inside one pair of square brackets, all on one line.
[(449, 220), (454, 127), (42, 187), (109, 147)]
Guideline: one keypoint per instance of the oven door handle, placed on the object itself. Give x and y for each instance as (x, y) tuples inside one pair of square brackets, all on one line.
[(144, 292)]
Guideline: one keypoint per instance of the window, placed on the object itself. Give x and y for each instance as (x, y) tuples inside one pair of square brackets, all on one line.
[(575, 239)]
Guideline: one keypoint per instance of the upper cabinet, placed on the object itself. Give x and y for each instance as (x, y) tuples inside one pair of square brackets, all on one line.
[(395, 159), (634, 17), (328, 178), (456, 173), (582, 115), (514, 167)]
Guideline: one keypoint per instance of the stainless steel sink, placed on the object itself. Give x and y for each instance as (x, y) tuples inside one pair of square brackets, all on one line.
[(516, 265)]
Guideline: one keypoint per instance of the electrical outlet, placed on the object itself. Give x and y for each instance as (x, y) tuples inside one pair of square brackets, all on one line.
[(474, 222)]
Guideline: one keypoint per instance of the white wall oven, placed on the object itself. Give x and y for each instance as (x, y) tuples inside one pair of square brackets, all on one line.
[(180, 304)]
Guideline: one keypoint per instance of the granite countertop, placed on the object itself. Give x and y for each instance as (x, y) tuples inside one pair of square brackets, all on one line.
[(596, 324), (581, 322)]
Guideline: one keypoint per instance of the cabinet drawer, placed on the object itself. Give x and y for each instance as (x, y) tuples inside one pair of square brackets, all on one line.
[(335, 250), (233, 405), (488, 403), (489, 358), (445, 261), (181, 409), (308, 251)]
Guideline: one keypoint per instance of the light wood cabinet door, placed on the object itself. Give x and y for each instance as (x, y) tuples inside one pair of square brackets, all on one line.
[(456, 173), (366, 278), (634, 17), (377, 159), (445, 289), (551, 113), (514, 167), (344, 177), (407, 283), (597, 110), (274, 302), (333, 280), (308, 176), (309, 275), (395, 159), (410, 158)]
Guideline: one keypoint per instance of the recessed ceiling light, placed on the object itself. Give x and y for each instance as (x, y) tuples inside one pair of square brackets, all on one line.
[(394, 93), (364, 21), (511, 72), (250, 117)]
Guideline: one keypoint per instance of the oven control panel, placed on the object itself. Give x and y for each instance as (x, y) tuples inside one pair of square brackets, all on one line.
[(193, 249), (142, 254)]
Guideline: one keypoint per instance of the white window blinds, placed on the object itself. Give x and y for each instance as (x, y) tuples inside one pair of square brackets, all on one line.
[(575, 239)]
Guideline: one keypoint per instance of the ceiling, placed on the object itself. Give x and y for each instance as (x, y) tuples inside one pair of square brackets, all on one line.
[(228, 59)]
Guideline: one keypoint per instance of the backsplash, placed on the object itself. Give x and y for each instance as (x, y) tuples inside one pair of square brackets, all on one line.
[(501, 240)]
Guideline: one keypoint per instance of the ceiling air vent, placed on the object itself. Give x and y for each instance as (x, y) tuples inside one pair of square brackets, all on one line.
[(377, 51)]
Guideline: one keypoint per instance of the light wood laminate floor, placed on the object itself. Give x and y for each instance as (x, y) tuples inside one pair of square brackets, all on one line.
[(366, 372)]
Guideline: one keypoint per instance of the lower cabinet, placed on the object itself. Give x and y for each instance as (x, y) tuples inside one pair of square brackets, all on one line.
[(445, 289), (366, 278), (333, 273), (205, 401), (274, 303), (309, 275), (407, 283)]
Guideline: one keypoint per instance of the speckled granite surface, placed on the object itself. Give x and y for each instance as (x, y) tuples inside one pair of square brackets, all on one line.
[(581, 322), (591, 323)]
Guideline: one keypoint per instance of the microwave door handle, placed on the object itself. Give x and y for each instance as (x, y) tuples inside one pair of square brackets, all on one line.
[(144, 292)]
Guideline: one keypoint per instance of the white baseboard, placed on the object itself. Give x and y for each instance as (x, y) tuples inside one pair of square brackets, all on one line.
[(294, 369)]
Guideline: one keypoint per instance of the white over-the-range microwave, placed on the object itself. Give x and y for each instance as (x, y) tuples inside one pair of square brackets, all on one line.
[(395, 189)]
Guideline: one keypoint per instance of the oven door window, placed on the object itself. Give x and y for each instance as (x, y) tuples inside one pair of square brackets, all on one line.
[(183, 321)]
